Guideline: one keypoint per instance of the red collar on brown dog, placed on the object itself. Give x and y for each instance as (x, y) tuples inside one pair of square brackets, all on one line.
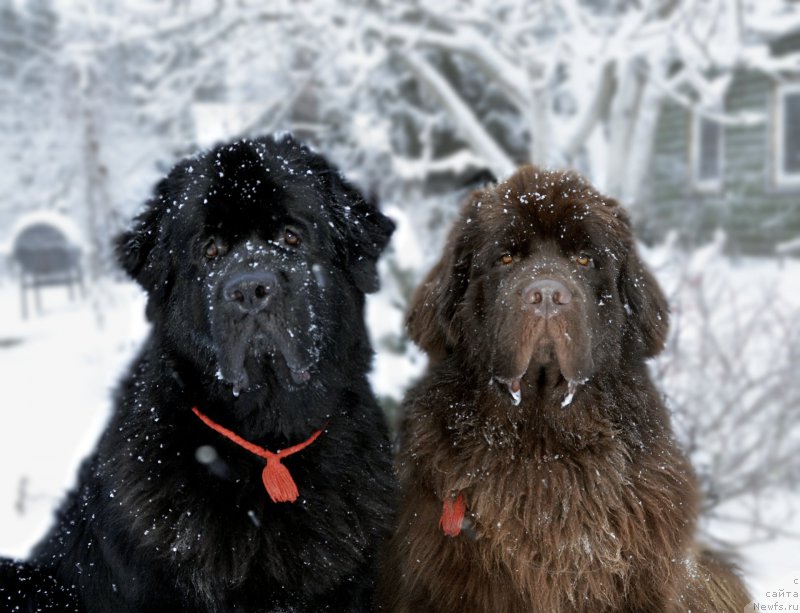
[(453, 515)]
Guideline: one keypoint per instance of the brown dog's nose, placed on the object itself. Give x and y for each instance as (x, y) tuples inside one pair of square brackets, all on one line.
[(251, 290), (546, 295)]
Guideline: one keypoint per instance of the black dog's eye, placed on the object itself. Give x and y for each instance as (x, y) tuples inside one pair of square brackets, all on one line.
[(213, 249), (583, 260), (290, 238), (506, 259)]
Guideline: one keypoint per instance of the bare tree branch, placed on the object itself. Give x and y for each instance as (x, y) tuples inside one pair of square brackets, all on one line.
[(465, 121)]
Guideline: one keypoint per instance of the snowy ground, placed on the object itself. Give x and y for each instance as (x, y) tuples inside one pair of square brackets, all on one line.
[(58, 369)]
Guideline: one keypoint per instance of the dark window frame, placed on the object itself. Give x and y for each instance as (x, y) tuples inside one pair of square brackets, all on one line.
[(701, 180), (781, 177)]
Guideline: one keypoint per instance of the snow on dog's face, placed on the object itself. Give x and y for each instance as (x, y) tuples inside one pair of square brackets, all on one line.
[(249, 252), (540, 273)]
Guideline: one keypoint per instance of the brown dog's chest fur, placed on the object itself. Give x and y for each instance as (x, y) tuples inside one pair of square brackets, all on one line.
[(563, 508)]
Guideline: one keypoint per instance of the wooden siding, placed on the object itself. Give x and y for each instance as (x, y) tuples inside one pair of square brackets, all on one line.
[(749, 207)]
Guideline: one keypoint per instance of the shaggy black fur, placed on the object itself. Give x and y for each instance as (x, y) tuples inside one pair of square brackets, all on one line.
[(167, 514)]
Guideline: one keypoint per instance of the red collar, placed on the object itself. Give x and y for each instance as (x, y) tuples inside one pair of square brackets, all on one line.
[(277, 480), (452, 517)]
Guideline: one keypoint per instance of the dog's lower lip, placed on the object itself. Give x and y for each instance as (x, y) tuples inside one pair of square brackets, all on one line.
[(241, 383), (514, 387)]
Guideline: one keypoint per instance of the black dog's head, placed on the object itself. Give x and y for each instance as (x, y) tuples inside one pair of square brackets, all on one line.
[(540, 271), (253, 254)]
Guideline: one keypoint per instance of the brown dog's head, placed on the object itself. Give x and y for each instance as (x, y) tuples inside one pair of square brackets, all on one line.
[(540, 271)]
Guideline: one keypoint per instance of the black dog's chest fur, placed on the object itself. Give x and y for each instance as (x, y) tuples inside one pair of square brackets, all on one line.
[(151, 528)]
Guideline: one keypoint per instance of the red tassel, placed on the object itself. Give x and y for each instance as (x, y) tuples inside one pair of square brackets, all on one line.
[(453, 515), (278, 481), (276, 477)]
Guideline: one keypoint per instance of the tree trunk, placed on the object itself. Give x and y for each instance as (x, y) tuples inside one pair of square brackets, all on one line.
[(621, 122), (642, 140)]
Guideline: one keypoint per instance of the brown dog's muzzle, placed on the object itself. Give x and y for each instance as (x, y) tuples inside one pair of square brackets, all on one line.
[(546, 324)]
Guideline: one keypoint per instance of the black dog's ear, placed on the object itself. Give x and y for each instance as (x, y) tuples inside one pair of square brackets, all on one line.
[(375, 231), (431, 318), (367, 232), (645, 305), (135, 246)]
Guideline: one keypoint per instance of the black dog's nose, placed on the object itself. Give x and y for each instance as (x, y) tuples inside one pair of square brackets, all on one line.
[(546, 295), (251, 290)]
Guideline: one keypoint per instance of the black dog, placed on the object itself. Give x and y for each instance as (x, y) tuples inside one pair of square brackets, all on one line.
[(255, 257)]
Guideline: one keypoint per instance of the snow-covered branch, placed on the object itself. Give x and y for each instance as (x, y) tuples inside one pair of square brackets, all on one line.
[(463, 118), (512, 79), (456, 163)]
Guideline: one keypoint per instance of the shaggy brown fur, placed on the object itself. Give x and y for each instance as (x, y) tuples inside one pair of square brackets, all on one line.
[(577, 498)]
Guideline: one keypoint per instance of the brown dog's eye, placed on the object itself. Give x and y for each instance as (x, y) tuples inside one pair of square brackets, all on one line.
[(290, 238), (583, 260), (211, 250), (506, 259)]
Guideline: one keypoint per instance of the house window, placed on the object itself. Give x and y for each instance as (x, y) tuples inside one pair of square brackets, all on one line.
[(787, 124), (706, 153)]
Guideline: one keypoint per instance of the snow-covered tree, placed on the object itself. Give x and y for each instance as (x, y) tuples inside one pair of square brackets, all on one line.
[(490, 84), (32, 119)]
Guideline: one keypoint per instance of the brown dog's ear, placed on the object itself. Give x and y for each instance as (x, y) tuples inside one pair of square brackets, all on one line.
[(645, 305), (431, 319)]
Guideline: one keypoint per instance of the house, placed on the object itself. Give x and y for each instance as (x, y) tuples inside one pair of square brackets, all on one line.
[(742, 177)]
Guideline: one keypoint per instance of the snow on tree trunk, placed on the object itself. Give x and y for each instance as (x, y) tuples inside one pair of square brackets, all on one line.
[(621, 124)]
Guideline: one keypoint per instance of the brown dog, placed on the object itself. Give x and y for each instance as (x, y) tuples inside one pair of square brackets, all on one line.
[(538, 462)]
